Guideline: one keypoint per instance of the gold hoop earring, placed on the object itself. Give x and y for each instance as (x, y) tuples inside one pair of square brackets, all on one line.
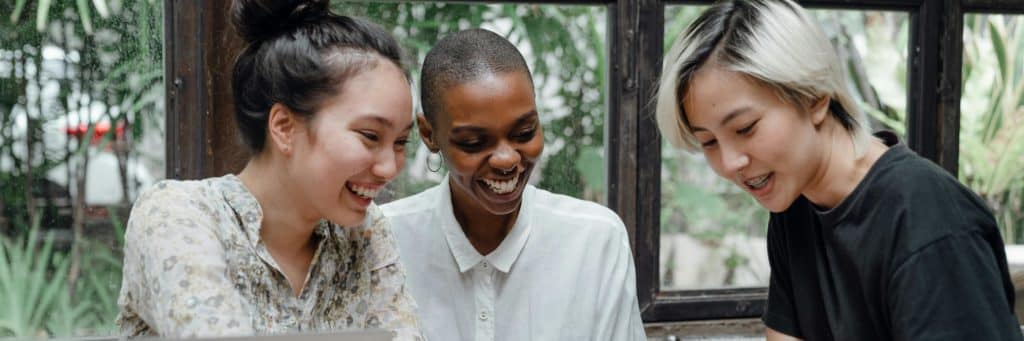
[(440, 162)]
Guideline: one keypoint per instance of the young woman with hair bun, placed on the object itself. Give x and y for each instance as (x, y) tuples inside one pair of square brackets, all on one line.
[(293, 242)]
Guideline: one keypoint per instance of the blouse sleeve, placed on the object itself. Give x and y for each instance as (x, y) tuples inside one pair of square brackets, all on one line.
[(175, 268), (392, 306)]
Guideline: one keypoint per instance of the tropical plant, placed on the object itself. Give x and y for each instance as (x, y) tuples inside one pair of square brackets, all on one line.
[(64, 66), (31, 283), (992, 117)]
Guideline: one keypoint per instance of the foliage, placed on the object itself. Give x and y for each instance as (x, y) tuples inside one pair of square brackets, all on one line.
[(65, 63), (992, 117), (31, 280), (35, 293)]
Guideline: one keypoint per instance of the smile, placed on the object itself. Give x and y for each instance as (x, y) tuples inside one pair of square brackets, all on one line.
[(366, 192), (758, 182), (502, 187)]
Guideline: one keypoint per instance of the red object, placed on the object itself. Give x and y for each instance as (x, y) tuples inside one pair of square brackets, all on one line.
[(101, 129)]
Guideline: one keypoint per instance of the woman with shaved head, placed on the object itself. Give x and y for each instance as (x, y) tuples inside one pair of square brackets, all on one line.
[(491, 257)]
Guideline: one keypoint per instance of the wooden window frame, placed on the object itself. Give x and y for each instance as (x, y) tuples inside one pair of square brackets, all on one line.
[(200, 46)]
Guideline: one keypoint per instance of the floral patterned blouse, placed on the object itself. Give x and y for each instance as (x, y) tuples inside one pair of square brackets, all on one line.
[(195, 266)]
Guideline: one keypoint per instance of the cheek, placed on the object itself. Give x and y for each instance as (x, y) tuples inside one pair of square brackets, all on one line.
[(715, 162), (345, 154), (463, 164), (534, 149)]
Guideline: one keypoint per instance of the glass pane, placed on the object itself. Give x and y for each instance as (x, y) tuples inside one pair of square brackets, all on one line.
[(992, 124), (712, 232), (565, 49), (81, 134)]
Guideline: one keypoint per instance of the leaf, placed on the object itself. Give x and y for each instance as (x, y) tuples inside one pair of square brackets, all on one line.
[(84, 15), (42, 12), (996, 36), (101, 8), (18, 7)]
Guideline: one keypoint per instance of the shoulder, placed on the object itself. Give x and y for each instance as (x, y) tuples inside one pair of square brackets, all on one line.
[(579, 215), (174, 198), (919, 203), (172, 207), (919, 189), (415, 204)]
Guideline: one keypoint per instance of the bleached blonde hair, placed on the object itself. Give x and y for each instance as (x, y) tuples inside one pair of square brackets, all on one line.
[(772, 42)]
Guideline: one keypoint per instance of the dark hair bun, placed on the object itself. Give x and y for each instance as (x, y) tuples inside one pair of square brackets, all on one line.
[(257, 20)]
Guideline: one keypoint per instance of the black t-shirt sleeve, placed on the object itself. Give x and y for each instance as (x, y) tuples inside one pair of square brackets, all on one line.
[(951, 290), (780, 313)]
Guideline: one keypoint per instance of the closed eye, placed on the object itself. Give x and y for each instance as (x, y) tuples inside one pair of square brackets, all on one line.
[(470, 145), (369, 135), (708, 143), (526, 135), (746, 130)]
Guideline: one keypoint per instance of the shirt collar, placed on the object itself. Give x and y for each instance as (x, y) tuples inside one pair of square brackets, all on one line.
[(247, 208), (466, 256)]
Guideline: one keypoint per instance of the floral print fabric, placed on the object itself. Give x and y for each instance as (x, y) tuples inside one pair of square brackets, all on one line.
[(195, 266)]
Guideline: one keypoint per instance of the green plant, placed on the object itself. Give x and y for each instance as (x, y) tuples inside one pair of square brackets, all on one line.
[(31, 283), (34, 289), (992, 117)]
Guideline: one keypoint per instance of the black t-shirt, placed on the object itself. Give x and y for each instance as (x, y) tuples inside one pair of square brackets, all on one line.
[(910, 254)]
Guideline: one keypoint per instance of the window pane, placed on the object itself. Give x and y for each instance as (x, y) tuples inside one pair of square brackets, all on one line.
[(81, 134), (992, 124), (712, 232), (565, 49)]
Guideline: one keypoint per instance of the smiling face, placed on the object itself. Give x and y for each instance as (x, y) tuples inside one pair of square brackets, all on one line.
[(353, 145), (750, 136), (490, 136)]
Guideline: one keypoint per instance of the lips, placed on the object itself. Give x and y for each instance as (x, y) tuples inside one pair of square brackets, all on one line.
[(364, 191), (759, 182)]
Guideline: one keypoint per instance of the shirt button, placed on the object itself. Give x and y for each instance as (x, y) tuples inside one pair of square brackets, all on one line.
[(483, 316), (486, 266)]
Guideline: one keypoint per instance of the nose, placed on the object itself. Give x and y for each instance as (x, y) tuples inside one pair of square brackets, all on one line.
[(388, 164), (504, 157), (734, 159)]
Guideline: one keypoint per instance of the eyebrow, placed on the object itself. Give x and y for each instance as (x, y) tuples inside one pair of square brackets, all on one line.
[(380, 120), (732, 114), (386, 122), (479, 130)]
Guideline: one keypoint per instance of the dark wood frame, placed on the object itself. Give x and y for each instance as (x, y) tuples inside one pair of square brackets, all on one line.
[(200, 138)]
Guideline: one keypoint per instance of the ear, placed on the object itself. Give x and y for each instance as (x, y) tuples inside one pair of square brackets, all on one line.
[(281, 128), (426, 133), (819, 110)]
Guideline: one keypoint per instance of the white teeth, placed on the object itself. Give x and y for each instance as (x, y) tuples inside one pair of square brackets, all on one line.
[(758, 182), (502, 187), (365, 192)]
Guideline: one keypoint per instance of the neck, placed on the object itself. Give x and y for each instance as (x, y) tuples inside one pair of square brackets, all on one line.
[(287, 226), (840, 169), (485, 230)]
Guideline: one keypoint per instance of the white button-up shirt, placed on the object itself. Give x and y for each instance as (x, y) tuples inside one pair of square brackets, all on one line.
[(564, 271)]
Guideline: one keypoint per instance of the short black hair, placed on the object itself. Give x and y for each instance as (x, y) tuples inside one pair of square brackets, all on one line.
[(298, 53), (462, 57)]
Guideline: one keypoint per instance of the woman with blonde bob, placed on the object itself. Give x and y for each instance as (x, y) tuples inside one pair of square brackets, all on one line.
[(866, 240)]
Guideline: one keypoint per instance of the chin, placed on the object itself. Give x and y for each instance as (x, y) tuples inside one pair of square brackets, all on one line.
[(504, 209), (777, 206)]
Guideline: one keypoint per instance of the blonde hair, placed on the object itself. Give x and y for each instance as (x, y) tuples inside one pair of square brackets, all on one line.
[(773, 42)]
